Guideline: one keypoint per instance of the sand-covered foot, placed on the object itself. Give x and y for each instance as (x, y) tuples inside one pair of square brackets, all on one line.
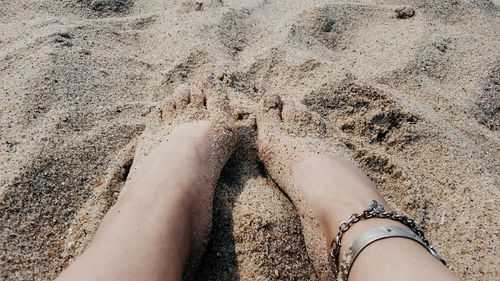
[(159, 227), (191, 133), (303, 157)]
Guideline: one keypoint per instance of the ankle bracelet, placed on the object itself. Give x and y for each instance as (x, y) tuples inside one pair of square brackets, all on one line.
[(373, 235), (375, 210)]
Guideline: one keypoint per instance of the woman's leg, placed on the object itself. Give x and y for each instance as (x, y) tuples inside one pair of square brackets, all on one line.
[(164, 213), (327, 189)]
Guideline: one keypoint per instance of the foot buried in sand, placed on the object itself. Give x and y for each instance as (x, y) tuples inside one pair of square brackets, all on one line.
[(159, 227), (161, 222), (317, 174), (203, 137)]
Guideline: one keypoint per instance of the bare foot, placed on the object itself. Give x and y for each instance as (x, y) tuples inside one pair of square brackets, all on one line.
[(315, 171), (161, 222), (197, 150)]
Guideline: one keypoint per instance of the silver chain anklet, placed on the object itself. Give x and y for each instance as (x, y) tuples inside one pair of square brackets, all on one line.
[(375, 210)]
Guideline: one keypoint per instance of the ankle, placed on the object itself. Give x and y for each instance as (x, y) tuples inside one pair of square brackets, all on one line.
[(335, 189), (357, 229)]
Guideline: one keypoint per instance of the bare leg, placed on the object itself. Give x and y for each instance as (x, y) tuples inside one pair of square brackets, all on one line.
[(163, 216), (327, 189)]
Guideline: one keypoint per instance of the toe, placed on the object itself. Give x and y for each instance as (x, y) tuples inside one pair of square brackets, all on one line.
[(220, 111), (216, 100), (167, 107), (207, 82), (301, 121), (292, 114), (197, 97), (182, 96), (269, 112), (209, 86)]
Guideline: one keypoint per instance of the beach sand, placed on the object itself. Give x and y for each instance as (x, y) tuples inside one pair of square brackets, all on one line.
[(412, 88)]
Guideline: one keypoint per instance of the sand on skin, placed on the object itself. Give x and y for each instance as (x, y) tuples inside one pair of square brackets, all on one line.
[(416, 99)]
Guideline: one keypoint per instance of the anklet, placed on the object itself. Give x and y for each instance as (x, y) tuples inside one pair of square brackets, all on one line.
[(370, 236), (375, 210)]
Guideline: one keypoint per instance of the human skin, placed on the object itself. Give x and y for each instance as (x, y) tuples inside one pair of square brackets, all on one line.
[(164, 216), (327, 188), (338, 189)]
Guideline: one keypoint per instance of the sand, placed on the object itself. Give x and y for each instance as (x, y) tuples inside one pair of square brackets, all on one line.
[(411, 86)]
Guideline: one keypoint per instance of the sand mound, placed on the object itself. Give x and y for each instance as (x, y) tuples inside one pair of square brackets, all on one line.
[(411, 87)]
